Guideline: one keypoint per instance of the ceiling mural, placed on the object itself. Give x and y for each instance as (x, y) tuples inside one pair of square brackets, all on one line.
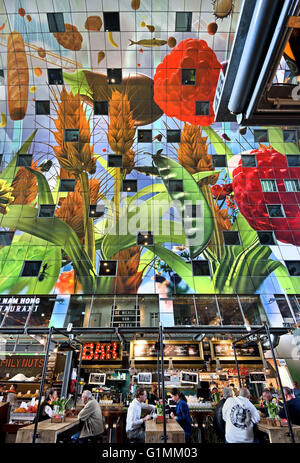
[(114, 177)]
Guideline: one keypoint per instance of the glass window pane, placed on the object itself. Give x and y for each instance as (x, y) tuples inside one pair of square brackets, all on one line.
[(184, 310), (253, 310), (295, 303), (42, 311), (101, 312), (284, 308), (125, 312), (207, 310), (148, 310), (293, 160), (248, 160), (268, 185), (183, 22), (230, 310), (275, 210), (292, 185), (293, 267), (78, 307)]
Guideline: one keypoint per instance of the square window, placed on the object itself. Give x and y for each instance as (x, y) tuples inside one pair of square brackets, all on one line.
[(248, 160), (292, 185), (175, 185), (6, 238), (56, 22), (188, 76), (144, 136), (129, 185), (183, 22), (173, 136), (100, 108), (260, 136), (200, 268), (290, 136), (42, 107), (231, 238), (46, 210), (268, 186), (266, 238), (72, 135), (115, 160), (219, 160), (114, 76), (108, 268), (145, 238), (67, 184), (111, 21), (275, 210), (202, 108), (293, 267), (24, 160), (2, 80), (293, 160), (192, 211), (96, 210), (55, 77), (31, 268)]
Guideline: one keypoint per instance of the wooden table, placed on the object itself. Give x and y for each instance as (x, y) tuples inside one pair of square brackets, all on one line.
[(154, 431), (47, 431), (279, 435)]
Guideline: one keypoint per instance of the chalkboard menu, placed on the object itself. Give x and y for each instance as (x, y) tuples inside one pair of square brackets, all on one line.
[(28, 365), (223, 350), (177, 350), (257, 377)]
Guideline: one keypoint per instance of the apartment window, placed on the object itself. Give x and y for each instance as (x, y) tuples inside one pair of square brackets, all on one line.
[(144, 136), (261, 136), (173, 136), (219, 160), (96, 210), (46, 210), (175, 185), (145, 238), (100, 108), (293, 160), (266, 238), (72, 135), (67, 184), (6, 238), (292, 185), (248, 160), (129, 185), (231, 238), (56, 22), (55, 77), (202, 108), (293, 267), (200, 268), (183, 22), (31, 268), (268, 186), (114, 76), (24, 160), (111, 21), (115, 160), (275, 210), (42, 107), (188, 76), (108, 268), (290, 136)]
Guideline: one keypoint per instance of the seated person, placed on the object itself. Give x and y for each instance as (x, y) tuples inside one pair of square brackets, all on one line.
[(266, 396), (134, 422), (46, 408), (293, 406), (90, 419)]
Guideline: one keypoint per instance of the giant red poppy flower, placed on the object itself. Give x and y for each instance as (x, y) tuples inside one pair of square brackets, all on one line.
[(221, 191), (179, 100), (252, 201)]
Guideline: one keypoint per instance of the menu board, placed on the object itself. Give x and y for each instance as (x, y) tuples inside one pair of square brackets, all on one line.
[(257, 377), (223, 350), (177, 350)]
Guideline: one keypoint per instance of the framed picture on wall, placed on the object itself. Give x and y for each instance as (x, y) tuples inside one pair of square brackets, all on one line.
[(145, 378), (188, 377), (257, 377), (97, 378)]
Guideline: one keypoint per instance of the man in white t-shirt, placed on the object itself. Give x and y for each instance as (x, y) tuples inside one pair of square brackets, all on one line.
[(240, 415), (134, 423)]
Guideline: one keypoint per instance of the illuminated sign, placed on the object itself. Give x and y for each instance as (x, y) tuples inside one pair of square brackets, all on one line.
[(101, 351)]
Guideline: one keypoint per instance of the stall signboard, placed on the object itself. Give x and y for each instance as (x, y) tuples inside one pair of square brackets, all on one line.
[(176, 350), (101, 351), (223, 350), (28, 365), (257, 377), (233, 372), (16, 310)]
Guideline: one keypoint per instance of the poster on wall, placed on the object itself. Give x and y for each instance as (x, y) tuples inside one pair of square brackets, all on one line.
[(176, 350), (223, 350)]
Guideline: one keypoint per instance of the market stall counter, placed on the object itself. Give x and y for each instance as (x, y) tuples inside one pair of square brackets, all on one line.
[(155, 431), (47, 432)]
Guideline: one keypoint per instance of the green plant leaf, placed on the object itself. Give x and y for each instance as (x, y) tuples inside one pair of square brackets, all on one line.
[(218, 143), (44, 192), (77, 82), (202, 226), (275, 135), (147, 170), (154, 188), (247, 233), (200, 175), (145, 259)]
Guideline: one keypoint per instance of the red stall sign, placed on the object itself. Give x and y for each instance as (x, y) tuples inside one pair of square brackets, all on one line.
[(101, 351)]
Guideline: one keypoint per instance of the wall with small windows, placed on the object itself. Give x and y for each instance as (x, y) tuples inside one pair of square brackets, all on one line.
[(118, 191)]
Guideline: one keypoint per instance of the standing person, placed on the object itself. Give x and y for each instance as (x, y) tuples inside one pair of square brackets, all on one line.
[(153, 397), (297, 390), (90, 418), (12, 396), (46, 408), (239, 415), (218, 422), (293, 406), (134, 422), (182, 413)]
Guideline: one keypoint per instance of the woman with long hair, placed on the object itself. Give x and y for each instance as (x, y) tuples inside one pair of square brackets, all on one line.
[(182, 413), (46, 408)]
